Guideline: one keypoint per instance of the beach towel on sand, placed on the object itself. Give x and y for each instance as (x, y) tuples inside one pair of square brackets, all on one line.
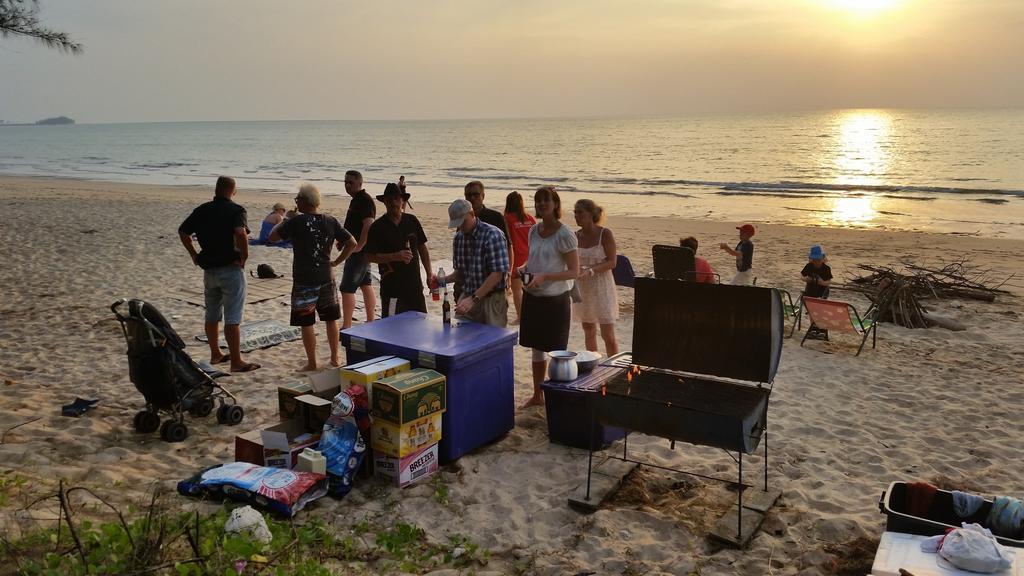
[(258, 334)]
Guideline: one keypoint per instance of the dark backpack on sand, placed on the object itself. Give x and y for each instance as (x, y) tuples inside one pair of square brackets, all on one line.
[(266, 271)]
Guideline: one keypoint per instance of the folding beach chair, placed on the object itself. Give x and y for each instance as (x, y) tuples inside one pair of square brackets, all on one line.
[(674, 262), (623, 272), (791, 309), (836, 316)]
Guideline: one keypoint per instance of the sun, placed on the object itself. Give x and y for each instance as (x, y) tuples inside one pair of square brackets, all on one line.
[(863, 7)]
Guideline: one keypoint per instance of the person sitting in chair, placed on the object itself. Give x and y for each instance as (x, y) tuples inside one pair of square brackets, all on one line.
[(703, 272), (817, 276)]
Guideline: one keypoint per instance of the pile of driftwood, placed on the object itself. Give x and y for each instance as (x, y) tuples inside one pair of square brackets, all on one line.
[(898, 294)]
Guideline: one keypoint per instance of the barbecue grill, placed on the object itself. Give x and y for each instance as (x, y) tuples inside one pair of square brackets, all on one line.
[(704, 358)]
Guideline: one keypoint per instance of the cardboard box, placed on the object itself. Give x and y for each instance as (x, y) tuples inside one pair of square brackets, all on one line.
[(277, 446), (402, 472), (408, 396), (398, 441), (326, 383), (287, 407), (322, 384), (367, 372), (313, 411)]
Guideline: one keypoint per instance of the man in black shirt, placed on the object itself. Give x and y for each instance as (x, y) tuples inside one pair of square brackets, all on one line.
[(474, 192), (397, 244), (356, 274), (313, 292), (223, 234)]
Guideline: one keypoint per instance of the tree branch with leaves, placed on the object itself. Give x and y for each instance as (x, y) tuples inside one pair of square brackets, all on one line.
[(21, 18)]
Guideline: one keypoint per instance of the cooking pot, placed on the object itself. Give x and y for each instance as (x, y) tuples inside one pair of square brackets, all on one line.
[(562, 367), (587, 360)]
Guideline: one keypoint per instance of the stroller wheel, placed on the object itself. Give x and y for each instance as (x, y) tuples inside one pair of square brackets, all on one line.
[(146, 422), (202, 408), (230, 415), (173, 431)]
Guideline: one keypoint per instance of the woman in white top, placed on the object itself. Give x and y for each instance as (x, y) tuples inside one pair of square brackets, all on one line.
[(548, 276), (600, 303)]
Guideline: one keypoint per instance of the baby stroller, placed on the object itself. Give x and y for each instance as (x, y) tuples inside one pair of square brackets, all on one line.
[(167, 376)]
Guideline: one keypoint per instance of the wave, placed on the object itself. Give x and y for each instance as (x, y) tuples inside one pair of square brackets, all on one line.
[(160, 165), (787, 187), (868, 188), (474, 174), (825, 211)]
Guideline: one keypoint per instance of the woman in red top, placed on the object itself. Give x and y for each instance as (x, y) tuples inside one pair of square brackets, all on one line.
[(519, 224)]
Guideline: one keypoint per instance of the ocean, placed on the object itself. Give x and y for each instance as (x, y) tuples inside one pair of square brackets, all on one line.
[(947, 171)]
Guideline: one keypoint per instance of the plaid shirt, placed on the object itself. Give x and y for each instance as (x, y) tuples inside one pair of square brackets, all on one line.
[(478, 254)]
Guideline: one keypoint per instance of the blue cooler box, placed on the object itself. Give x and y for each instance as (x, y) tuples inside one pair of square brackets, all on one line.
[(475, 358)]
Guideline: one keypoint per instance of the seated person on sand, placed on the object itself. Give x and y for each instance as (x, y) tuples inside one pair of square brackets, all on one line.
[(703, 271), (818, 277), (276, 216)]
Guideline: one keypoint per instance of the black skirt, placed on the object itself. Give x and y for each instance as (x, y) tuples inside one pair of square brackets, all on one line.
[(545, 322)]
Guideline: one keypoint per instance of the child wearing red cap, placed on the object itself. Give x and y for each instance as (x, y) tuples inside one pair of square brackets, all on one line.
[(744, 253)]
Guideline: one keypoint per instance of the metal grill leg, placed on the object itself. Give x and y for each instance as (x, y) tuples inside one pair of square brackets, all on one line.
[(739, 509), (590, 460)]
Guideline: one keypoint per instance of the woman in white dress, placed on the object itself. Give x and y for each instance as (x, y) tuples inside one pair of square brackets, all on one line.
[(600, 303)]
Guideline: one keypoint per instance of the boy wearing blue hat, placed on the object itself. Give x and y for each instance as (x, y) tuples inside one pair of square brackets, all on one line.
[(817, 274), (818, 277)]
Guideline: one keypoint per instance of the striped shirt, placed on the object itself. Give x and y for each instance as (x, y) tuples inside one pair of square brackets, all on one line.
[(478, 254)]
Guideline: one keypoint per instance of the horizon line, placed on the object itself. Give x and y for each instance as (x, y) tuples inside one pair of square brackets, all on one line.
[(552, 117)]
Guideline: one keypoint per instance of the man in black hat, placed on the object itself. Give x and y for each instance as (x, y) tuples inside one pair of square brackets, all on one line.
[(397, 244)]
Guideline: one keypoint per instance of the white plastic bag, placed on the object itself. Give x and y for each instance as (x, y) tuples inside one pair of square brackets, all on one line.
[(246, 520), (974, 548)]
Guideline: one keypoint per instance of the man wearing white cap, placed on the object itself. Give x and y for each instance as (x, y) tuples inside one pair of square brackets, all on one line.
[(480, 255)]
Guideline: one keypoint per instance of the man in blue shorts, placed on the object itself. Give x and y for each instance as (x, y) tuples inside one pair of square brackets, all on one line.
[(223, 234), (313, 293), (356, 274)]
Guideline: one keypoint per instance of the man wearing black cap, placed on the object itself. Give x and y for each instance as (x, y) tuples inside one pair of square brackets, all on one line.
[(397, 244)]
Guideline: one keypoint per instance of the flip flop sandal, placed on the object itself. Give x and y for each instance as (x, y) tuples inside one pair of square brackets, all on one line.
[(78, 407), (249, 367)]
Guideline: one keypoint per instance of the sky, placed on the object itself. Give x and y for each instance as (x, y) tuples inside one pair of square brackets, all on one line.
[(181, 60)]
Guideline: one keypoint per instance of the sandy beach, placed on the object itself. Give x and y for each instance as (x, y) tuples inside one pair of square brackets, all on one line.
[(932, 405)]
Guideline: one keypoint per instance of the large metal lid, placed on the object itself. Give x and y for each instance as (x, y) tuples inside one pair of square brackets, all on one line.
[(709, 329)]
